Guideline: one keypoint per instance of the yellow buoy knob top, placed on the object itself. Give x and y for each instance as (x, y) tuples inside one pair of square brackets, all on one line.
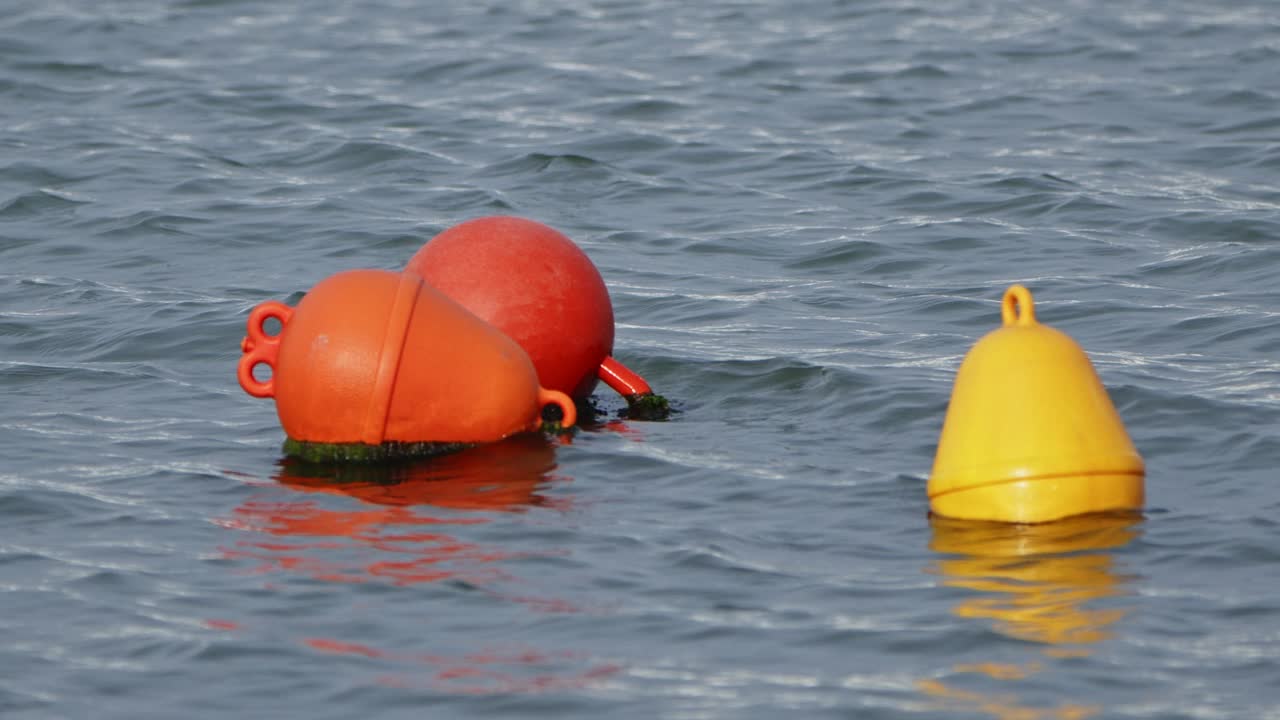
[(1017, 307), (1030, 434)]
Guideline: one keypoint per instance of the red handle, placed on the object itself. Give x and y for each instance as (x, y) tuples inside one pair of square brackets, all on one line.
[(623, 380), (259, 348)]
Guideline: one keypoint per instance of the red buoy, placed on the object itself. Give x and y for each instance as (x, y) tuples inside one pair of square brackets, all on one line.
[(534, 284)]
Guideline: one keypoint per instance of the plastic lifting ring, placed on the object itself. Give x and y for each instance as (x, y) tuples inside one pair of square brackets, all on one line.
[(261, 349)]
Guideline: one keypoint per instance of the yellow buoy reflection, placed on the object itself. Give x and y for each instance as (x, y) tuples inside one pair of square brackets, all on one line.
[(1038, 583)]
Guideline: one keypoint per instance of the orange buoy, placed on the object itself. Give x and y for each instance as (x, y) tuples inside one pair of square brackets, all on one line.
[(1030, 433), (534, 284), (371, 357)]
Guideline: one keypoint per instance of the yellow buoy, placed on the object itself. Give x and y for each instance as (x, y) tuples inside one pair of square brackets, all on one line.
[(1030, 434)]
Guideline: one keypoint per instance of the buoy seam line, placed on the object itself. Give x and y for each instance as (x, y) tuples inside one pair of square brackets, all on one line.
[(402, 306), (404, 342), (1091, 473)]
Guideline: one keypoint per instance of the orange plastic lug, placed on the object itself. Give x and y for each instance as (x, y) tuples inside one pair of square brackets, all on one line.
[(259, 348), (565, 403)]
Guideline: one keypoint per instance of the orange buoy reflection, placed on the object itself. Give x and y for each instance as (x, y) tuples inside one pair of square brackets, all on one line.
[(1038, 583), (391, 536), (408, 528), (484, 672)]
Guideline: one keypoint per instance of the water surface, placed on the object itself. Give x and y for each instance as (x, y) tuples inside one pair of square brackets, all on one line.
[(806, 214)]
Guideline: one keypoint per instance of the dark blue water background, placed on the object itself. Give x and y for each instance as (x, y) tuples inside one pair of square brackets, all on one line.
[(806, 213)]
